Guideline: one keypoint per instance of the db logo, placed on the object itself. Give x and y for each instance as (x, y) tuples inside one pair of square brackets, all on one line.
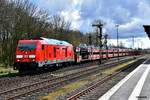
[(25, 56)]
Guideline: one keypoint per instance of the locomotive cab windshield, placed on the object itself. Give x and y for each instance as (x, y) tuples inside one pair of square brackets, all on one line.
[(26, 46)]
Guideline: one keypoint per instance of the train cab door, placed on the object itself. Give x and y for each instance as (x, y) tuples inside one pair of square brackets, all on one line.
[(58, 52), (64, 53), (45, 52)]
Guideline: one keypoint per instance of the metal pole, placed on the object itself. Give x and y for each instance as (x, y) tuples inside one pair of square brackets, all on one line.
[(100, 37), (96, 36), (106, 36), (117, 42), (90, 39), (90, 43), (141, 44), (133, 41)]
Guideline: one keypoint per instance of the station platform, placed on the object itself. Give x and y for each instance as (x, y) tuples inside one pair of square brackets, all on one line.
[(135, 86)]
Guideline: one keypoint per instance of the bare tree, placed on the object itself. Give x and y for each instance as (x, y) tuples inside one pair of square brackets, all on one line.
[(59, 24), (19, 19)]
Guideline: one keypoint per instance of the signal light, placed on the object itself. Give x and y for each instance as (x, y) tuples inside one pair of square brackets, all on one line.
[(19, 56), (31, 56)]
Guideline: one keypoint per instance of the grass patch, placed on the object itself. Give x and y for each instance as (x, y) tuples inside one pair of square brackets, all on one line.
[(64, 90), (114, 69), (7, 71)]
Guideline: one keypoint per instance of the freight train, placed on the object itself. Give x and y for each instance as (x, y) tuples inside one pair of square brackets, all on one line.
[(44, 53)]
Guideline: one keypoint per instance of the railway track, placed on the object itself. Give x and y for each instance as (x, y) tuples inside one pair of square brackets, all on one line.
[(92, 87), (19, 81), (89, 89), (51, 83)]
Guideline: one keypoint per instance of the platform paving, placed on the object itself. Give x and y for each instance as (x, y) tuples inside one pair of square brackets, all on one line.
[(135, 86)]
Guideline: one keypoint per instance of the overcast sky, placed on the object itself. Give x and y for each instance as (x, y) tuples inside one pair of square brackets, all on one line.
[(129, 14)]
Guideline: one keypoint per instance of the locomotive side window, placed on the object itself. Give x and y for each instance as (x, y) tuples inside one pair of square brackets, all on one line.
[(65, 52), (54, 52), (42, 47)]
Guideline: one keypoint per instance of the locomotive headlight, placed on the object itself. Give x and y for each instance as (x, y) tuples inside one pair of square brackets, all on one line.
[(31, 56), (19, 56)]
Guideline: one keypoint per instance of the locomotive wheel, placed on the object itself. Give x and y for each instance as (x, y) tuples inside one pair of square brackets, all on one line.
[(21, 70)]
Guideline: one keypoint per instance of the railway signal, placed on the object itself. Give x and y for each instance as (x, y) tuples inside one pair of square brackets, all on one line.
[(99, 26)]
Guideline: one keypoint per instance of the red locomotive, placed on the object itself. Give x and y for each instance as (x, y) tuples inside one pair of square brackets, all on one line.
[(33, 54), (36, 54)]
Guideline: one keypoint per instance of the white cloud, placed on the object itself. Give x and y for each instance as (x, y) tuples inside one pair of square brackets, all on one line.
[(71, 15), (69, 9), (121, 13), (143, 8), (77, 2), (135, 22), (130, 14)]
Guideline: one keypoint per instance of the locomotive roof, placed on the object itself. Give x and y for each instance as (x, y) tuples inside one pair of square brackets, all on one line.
[(54, 42)]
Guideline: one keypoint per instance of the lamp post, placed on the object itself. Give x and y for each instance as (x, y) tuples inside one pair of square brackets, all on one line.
[(133, 42), (117, 25)]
